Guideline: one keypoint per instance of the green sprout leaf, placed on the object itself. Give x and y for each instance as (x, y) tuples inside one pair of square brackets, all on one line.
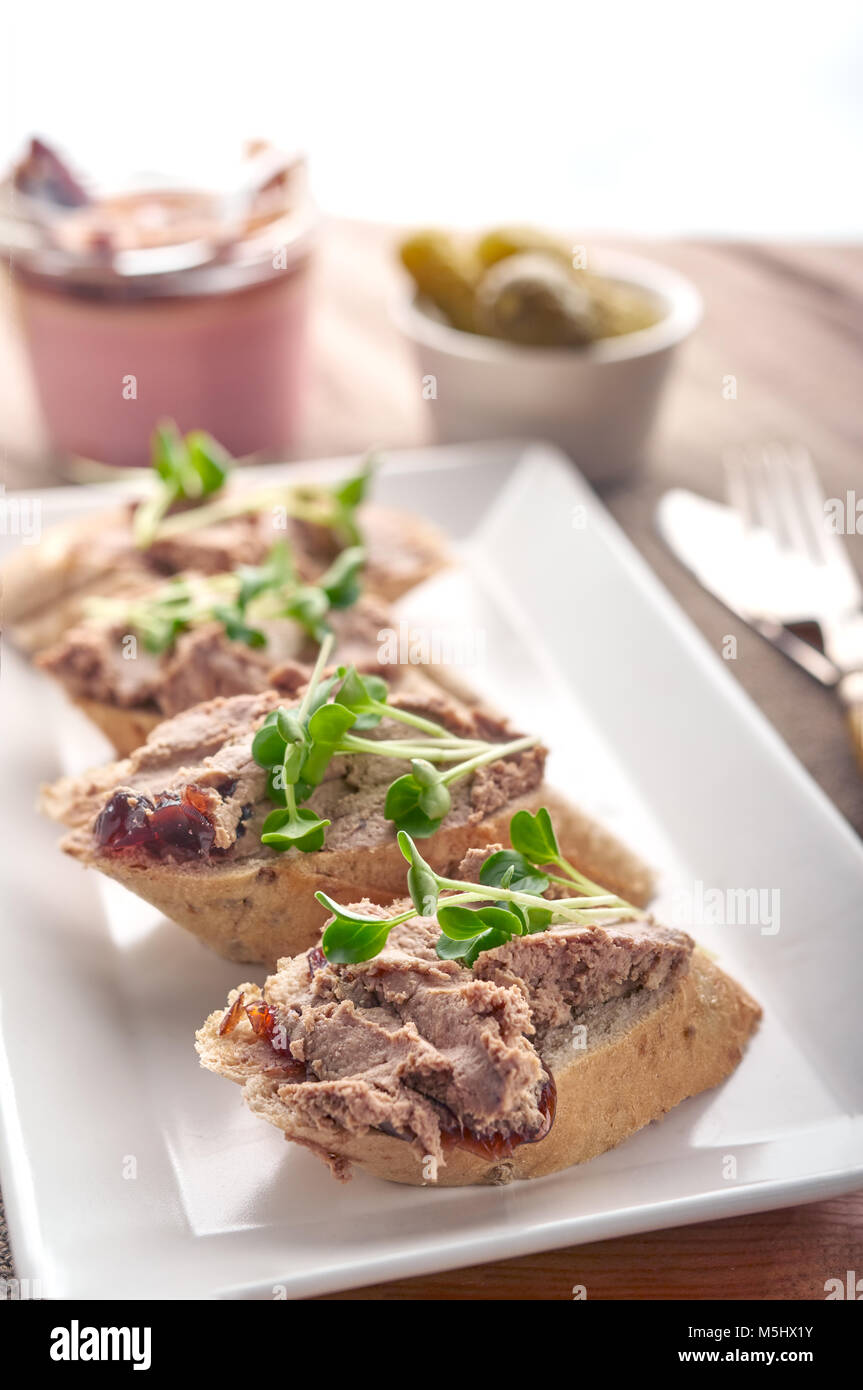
[(402, 806), (467, 949), (170, 458), (289, 726), (534, 837), (459, 923), (188, 470), (301, 829), (422, 879), (448, 948), (487, 942), (210, 461), (277, 572), (237, 629), (464, 923), (351, 936), (510, 869), (507, 918), (308, 606), (354, 490), (327, 726), (538, 919), (434, 798), (344, 943), (341, 583), (268, 745), (330, 722), (365, 695)]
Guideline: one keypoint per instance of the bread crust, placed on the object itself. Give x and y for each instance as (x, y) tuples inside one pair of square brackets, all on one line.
[(263, 907), (651, 1052), (126, 729)]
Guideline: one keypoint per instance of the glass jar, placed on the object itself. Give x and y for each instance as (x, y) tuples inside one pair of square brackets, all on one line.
[(211, 334)]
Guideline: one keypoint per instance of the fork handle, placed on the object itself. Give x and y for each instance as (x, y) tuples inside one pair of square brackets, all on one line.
[(851, 694)]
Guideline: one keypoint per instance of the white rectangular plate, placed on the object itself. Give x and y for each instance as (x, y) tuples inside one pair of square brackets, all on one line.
[(129, 1172)]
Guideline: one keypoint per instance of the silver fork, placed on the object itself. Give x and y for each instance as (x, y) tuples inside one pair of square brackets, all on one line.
[(796, 567)]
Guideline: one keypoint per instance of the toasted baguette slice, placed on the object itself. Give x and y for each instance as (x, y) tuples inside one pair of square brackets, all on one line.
[(250, 903), (45, 585), (644, 1054), (262, 907), (204, 663)]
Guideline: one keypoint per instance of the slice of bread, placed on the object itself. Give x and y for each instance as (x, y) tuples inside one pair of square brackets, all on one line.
[(263, 906), (125, 729), (250, 903), (45, 586), (643, 1054), (202, 664)]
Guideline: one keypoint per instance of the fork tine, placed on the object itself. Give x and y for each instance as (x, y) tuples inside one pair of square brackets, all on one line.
[(767, 512), (831, 550), (789, 498), (736, 490)]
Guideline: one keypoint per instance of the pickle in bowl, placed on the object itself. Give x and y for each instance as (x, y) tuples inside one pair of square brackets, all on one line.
[(520, 285)]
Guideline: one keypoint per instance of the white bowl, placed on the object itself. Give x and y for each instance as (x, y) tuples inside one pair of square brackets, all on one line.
[(597, 402)]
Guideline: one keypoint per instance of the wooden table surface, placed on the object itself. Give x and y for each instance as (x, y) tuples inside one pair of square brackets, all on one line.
[(787, 323)]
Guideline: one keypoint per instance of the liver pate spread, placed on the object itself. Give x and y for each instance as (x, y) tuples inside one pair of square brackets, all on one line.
[(92, 660), (427, 1050), (99, 556), (206, 752)]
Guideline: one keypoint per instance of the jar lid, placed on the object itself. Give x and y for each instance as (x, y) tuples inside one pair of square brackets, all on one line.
[(153, 239)]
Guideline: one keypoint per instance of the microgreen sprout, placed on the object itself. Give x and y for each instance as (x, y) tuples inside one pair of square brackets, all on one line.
[(507, 902), (191, 469), (249, 595), (297, 746), (188, 468)]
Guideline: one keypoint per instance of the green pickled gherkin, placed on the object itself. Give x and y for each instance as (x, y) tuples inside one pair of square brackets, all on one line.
[(446, 272), (533, 300), (519, 284), (501, 242)]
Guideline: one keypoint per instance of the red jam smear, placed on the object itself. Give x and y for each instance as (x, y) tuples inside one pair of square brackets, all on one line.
[(174, 825), (498, 1146)]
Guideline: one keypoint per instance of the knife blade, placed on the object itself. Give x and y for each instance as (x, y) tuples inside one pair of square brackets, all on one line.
[(705, 537)]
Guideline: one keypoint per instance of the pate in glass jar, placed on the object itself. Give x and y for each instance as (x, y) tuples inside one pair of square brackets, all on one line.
[(163, 302)]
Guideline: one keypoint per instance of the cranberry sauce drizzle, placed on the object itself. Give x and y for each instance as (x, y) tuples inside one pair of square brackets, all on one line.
[(265, 1023), (175, 824), (263, 1018), (498, 1146)]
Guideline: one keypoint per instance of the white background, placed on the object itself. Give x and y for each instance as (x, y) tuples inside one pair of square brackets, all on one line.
[(737, 117)]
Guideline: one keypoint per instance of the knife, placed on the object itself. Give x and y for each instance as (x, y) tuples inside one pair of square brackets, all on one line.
[(705, 537), (773, 589)]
